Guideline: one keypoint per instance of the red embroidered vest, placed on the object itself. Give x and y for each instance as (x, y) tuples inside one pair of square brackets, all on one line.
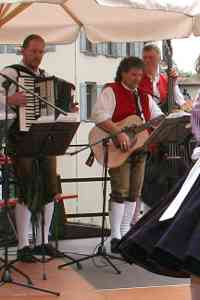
[(146, 86), (126, 103)]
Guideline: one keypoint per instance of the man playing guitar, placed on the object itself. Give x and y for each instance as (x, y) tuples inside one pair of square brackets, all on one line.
[(117, 101)]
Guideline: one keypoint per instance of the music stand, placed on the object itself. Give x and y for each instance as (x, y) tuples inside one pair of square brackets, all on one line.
[(6, 276), (170, 131), (173, 132), (47, 139)]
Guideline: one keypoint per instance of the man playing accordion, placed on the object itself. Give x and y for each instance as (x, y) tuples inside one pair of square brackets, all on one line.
[(28, 204)]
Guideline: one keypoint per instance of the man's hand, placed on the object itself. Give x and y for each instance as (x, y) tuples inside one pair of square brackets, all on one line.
[(18, 99), (173, 74), (74, 107), (124, 141), (187, 106)]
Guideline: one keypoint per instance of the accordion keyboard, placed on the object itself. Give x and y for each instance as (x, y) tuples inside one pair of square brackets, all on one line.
[(31, 111)]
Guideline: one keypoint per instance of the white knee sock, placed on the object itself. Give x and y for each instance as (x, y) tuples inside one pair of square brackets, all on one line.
[(129, 210), (136, 215), (116, 215), (48, 214), (23, 217)]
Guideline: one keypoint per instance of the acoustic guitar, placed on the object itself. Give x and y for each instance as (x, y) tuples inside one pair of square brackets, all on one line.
[(134, 127)]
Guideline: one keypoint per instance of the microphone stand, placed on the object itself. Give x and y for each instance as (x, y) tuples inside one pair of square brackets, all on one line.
[(8, 266), (105, 141), (101, 251)]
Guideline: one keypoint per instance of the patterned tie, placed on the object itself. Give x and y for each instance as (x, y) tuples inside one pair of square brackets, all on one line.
[(138, 103)]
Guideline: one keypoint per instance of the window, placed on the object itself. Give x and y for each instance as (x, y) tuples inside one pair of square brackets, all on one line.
[(113, 49), (50, 48), (2, 49), (110, 49), (88, 96), (13, 49), (134, 49)]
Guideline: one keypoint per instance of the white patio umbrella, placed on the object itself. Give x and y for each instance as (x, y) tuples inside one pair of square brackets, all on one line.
[(161, 19), (59, 21)]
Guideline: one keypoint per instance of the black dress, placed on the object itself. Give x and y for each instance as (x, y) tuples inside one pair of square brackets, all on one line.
[(170, 247)]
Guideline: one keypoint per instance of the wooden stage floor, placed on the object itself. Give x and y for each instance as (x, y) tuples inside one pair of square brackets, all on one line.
[(72, 286)]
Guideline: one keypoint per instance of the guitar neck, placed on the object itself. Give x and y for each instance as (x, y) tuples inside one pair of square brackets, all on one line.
[(144, 126)]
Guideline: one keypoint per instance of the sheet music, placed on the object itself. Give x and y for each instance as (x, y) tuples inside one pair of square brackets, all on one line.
[(178, 114), (71, 117)]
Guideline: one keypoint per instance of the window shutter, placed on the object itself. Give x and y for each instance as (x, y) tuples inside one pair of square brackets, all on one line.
[(123, 49), (94, 49), (138, 49), (119, 49), (132, 49), (99, 49), (107, 49), (83, 42), (104, 49), (114, 51), (83, 102)]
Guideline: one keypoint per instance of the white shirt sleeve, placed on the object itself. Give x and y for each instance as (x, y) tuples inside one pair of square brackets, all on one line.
[(105, 106), (155, 110), (179, 98), (13, 75), (197, 98), (12, 89)]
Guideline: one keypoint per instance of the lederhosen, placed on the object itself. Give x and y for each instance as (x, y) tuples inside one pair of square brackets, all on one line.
[(127, 180), (36, 177)]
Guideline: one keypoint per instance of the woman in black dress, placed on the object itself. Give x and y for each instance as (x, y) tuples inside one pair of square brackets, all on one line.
[(167, 239)]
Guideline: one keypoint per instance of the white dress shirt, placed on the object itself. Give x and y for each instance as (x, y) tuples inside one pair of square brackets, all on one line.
[(178, 96), (12, 73), (105, 106)]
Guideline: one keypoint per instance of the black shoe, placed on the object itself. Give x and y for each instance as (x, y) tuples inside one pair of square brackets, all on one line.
[(48, 250), (25, 255), (114, 243)]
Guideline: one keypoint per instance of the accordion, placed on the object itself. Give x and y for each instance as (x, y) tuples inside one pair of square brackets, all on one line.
[(54, 90)]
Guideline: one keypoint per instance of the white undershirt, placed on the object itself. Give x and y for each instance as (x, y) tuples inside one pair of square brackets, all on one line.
[(12, 73), (105, 106)]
